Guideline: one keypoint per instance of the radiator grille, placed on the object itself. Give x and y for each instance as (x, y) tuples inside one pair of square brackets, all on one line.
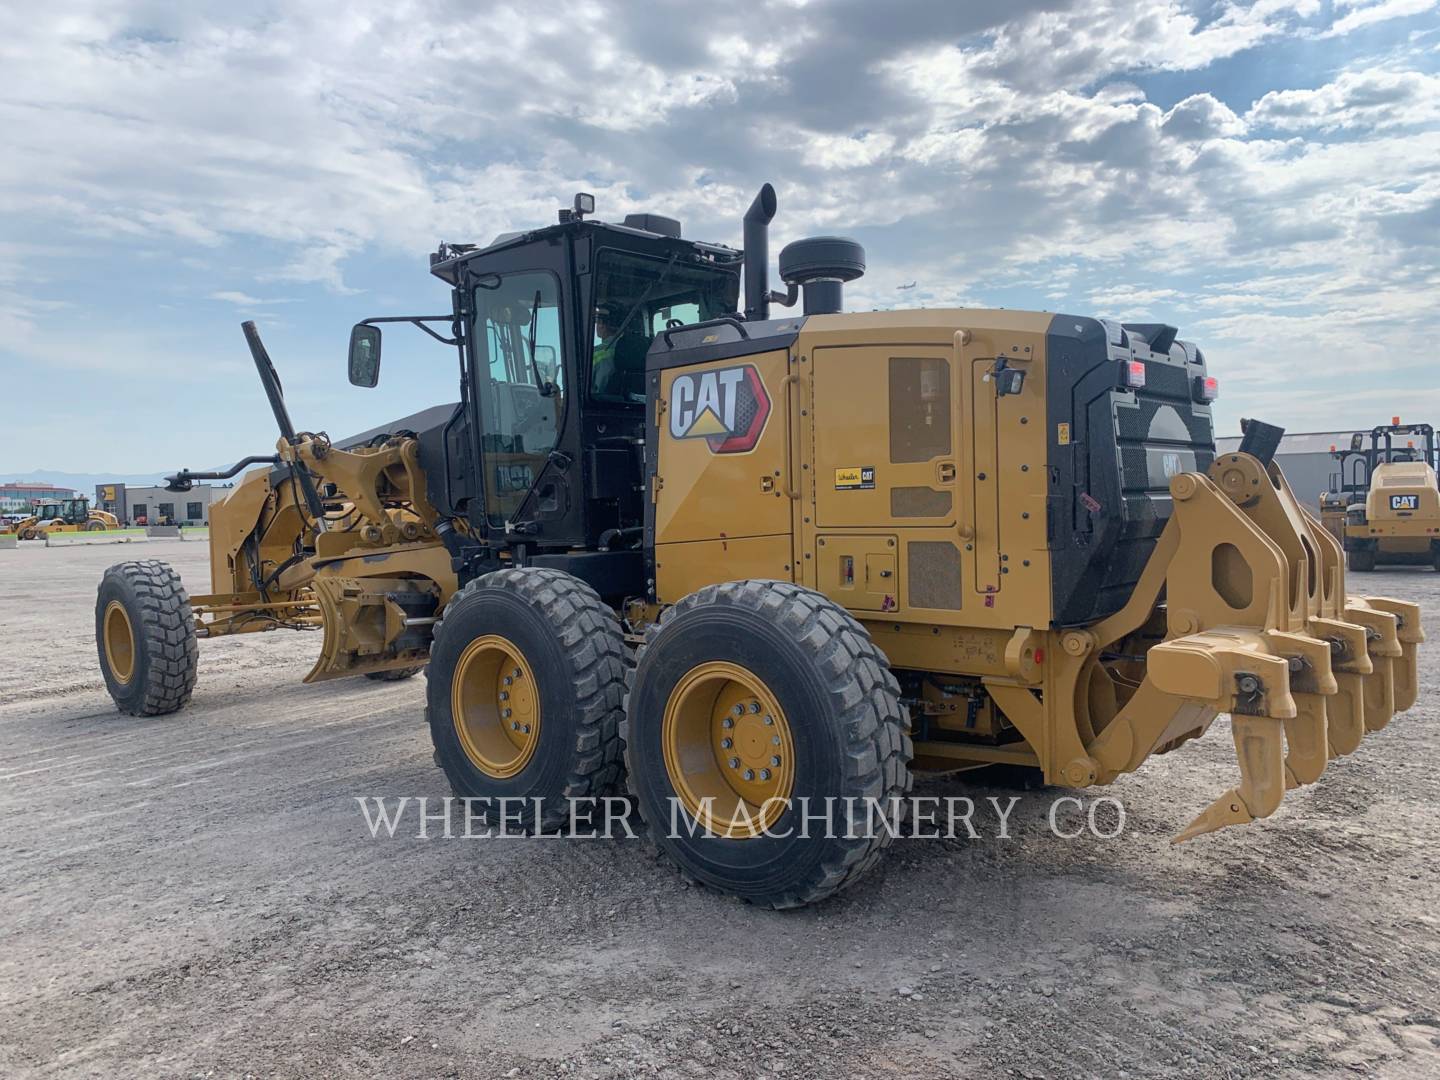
[(919, 408), (911, 502), (933, 570)]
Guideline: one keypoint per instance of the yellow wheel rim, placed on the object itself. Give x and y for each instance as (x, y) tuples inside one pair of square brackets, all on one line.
[(119, 642), (728, 750), (495, 704)]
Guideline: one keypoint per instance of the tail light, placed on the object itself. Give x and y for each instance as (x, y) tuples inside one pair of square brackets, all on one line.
[(1132, 374), (1207, 388)]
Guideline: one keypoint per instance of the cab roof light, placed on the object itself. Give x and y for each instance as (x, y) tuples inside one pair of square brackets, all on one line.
[(1207, 388), (1132, 374)]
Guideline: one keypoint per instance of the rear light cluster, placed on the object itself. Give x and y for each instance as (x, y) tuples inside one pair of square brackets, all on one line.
[(1205, 388)]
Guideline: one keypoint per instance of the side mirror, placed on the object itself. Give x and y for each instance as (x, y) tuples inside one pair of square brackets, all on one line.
[(365, 355)]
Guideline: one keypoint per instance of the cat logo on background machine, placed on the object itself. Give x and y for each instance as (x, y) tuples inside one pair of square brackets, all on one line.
[(726, 407), (1383, 503)]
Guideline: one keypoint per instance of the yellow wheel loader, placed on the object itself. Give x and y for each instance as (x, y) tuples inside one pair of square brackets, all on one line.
[(757, 568), (1385, 507), (23, 527), (67, 515)]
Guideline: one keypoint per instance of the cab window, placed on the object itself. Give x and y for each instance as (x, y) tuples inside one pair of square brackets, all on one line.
[(521, 374), (637, 297)]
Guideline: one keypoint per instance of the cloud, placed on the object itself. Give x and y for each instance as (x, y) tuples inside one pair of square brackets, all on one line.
[(1362, 13), (1091, 156), (1374, 99), (242, 299), (1201, 116)]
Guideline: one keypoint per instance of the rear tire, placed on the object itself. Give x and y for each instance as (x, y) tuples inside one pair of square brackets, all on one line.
[(798, 654), (145, 636), (397, 675), (94, 526), (1361, 561), (568, 646)]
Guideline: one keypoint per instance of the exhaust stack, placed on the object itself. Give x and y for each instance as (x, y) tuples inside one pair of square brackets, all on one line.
[(757, 254)]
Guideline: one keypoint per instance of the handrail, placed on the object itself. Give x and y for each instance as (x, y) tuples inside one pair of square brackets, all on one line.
[(790, 492), (723, 320)]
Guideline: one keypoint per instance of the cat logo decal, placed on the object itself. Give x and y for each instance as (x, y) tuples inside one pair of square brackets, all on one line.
[(726, 407)]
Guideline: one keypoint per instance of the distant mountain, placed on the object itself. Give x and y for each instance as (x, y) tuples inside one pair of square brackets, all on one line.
[(81, 482)]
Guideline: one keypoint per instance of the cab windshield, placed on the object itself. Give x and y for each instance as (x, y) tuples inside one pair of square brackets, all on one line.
[(637, 298)]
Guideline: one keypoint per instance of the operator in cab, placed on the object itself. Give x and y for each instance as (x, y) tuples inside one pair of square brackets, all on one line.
[(617, 368)]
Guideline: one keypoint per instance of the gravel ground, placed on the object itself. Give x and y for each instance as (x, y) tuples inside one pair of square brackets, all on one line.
[(199, 895)]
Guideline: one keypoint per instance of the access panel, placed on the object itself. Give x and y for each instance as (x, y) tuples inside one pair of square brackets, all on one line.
[(885, 436), (723, 465)]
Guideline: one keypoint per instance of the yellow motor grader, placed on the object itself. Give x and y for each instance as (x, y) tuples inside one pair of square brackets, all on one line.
[(62, 516), (758, 569)]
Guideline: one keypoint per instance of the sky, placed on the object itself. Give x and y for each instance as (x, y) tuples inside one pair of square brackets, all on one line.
[(1265, 176)]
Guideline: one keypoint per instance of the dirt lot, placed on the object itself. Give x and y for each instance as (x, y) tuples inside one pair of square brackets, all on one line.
[(199, 895)]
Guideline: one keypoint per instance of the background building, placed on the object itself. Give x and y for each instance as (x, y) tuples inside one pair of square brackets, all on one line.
[(154, 505), (1305, 459), (19, 495)]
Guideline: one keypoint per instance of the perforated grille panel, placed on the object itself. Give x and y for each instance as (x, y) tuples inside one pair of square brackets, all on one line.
[(919, 408), (933, 571), (907, 502)]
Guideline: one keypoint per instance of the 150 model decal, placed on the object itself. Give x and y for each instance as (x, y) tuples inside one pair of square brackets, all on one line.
[(726, 407)]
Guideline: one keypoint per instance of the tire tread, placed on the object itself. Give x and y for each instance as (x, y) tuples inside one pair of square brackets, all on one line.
[(167, 626), (866, 697), (590, 636)]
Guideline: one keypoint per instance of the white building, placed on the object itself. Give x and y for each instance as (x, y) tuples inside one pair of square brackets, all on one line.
[(155, 505)]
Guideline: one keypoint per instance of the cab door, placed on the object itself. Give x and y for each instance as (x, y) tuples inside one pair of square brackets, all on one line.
[(885, 485), (723, 487), (519, 378), (884, 436)]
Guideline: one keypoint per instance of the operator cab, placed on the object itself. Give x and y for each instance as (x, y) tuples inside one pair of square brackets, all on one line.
[(69, 511), (545, 450)]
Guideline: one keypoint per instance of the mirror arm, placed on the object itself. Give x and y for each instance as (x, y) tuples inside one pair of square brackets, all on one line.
[(185, 479), (417, 320)]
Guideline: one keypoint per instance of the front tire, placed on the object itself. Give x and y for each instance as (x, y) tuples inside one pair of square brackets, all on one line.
[(815, 729), (145, 635), (524, 694)]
